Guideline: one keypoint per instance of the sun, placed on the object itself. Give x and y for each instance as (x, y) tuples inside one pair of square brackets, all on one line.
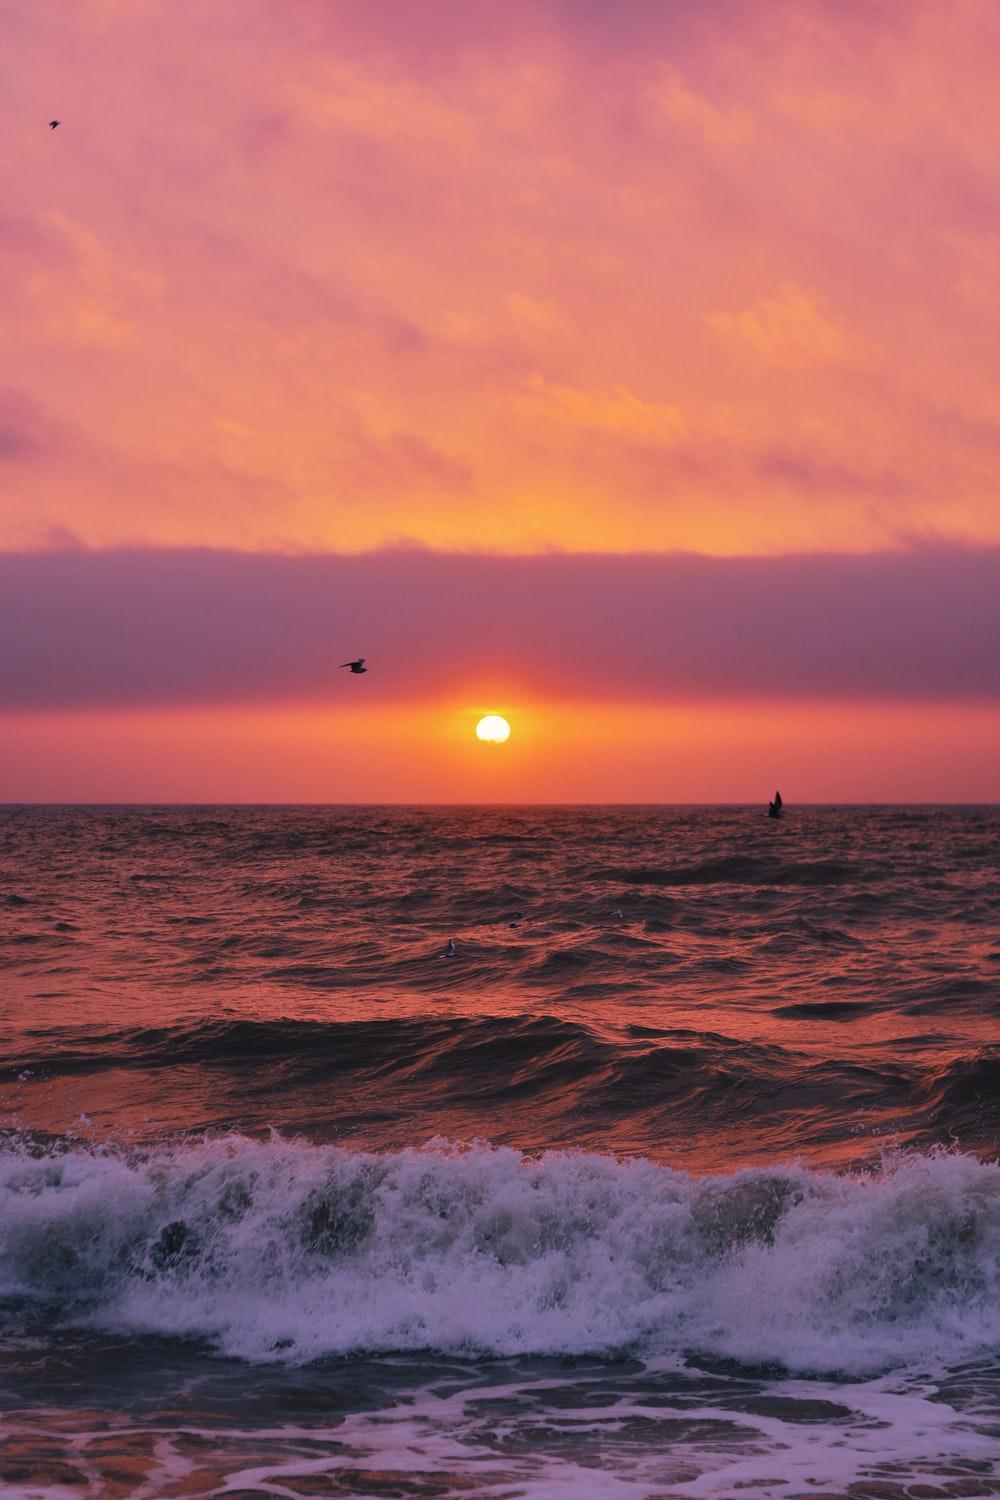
[(493, 730)]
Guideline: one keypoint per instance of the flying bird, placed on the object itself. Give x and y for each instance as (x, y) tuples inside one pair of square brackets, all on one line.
[(357, 667), (54, 123)]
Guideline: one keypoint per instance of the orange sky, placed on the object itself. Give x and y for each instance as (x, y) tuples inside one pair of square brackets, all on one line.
[(507, 276), (557, 753)]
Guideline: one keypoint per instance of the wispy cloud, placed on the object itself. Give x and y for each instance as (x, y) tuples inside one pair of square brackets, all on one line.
[(25, 431), (593, 264), (791, 330)]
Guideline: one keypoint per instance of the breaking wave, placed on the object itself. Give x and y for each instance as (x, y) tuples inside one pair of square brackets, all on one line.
[(284, 1250)]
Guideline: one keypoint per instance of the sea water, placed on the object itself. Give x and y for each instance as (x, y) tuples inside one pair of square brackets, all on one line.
[(677, 1177)]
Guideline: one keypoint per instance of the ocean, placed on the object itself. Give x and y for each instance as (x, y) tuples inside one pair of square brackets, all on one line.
[(605, 1153)]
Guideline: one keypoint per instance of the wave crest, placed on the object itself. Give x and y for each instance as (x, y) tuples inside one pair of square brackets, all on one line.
[(285, 1250)]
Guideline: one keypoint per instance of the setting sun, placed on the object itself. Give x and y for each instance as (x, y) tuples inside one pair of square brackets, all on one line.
[(493, 730)]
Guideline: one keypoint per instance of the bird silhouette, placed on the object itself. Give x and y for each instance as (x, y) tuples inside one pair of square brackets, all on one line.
[(54, 123), (357, 667)]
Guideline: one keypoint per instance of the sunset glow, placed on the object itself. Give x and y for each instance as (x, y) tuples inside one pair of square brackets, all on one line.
[(500, 748), (411, 308)]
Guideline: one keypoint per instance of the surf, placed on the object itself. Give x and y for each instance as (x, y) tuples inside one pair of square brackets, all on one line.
[(281, 1250)]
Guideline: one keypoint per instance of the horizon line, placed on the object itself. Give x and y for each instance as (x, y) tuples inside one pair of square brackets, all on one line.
[(7, 806)]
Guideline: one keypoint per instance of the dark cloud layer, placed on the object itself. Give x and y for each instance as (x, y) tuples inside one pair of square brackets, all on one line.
[(138, 626)]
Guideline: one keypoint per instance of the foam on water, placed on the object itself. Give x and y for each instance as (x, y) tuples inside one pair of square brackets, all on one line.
[(291, 1251)]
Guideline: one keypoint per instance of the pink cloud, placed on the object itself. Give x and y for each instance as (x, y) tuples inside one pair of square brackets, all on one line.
[(360, 235)]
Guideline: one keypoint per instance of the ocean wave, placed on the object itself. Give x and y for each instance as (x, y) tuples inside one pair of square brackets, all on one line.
[(283, 1250), (542, 1080), (967, 1092), (461, 1054), (741, 869), (825, 1010)]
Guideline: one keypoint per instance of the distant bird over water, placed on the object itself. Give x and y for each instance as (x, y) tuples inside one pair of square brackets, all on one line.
[(54, 123), (357, 667)]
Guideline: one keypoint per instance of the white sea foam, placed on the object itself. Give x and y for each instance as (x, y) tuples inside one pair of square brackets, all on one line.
[(285, 1250)]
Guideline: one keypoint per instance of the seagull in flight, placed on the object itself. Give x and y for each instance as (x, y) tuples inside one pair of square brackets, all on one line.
[(357, 667), (54, 123)]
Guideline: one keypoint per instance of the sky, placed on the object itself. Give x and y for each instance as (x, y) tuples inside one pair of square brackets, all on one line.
[(628, 370)]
